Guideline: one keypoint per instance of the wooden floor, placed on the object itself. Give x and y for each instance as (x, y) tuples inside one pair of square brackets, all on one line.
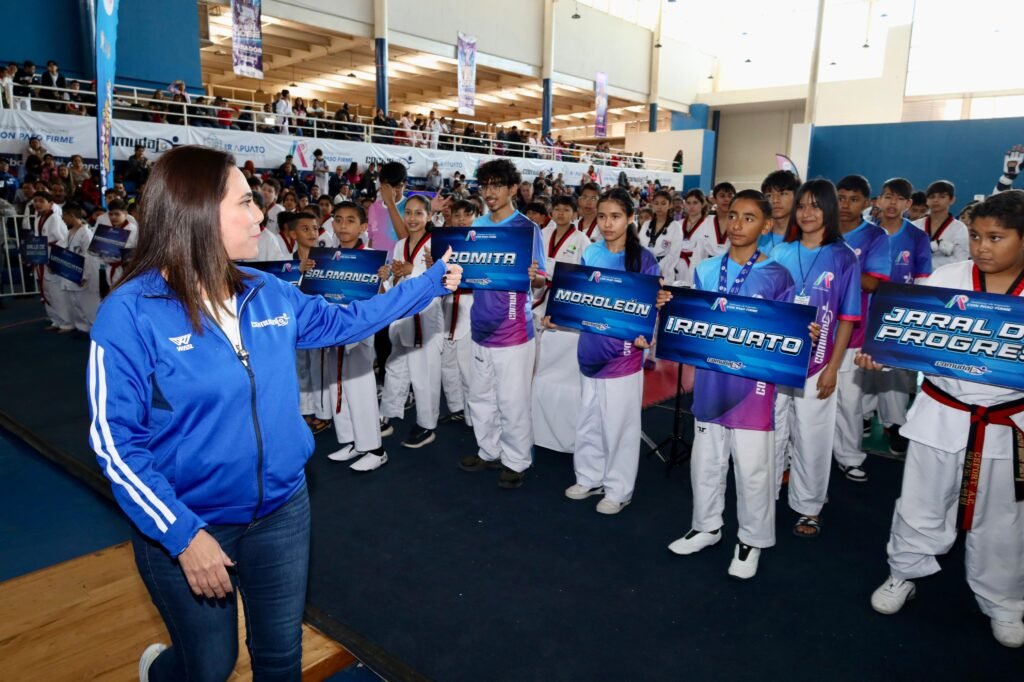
[(90, 619)]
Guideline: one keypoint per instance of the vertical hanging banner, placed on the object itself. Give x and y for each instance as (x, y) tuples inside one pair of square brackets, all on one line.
[(601, 104), (467, 74), (106, 60), (247, 38)]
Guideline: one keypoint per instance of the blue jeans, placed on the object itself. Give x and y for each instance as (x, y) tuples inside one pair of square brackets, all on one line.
[(272, 561)]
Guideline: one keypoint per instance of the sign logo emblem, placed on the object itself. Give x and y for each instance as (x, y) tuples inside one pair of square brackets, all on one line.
[(960, 301), (720, 304), (595, 277), (824, 280)]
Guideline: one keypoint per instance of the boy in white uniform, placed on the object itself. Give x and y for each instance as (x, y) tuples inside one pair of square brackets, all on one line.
[(352, 385), (948, 424), (49, 224), (84, 298), (556, 381), (117, 216), (948, 236)]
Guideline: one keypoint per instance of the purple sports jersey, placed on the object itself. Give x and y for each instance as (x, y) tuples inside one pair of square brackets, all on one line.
[(602, 357), (725, 399), (502, 318), (871, 244), (830, 277), (911, 254)]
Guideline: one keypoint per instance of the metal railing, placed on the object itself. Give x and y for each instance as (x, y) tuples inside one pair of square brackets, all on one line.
[(16, 278), (230, 114)]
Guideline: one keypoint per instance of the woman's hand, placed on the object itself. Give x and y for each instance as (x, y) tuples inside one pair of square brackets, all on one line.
[(641, 342), (204, 564), (827, 382), (428, 258), (664, 296), (864, 361), (453, 276)]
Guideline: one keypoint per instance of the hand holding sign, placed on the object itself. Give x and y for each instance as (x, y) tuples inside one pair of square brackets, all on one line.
[(453, 275)]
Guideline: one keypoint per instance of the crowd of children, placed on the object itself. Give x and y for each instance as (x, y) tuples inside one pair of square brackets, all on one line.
[(518, 380)]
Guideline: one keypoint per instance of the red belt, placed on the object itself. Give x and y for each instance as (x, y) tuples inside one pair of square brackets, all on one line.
[(341, 361), (981, 418)]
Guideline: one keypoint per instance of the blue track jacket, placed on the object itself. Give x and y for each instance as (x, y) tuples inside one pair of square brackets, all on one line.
[(191, 433)]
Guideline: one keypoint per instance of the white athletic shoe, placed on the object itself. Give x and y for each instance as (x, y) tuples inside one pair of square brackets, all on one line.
[(369, 462), (348, 451), (744, 561), (694, 541), (147, 658), (582, 492), (1008, 633), (606, 506), (892, 595)]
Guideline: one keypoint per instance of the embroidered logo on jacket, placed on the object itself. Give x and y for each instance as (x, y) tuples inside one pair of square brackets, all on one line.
[(182, 342), (279, 321)]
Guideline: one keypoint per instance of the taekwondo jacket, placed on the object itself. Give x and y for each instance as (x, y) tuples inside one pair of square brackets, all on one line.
[(190, 432)]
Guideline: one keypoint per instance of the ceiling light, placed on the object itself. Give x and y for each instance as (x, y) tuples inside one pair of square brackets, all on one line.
[(351, 74), (657, 45), (575, 15)]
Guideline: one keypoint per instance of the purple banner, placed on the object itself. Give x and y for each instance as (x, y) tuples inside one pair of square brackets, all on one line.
[(467, 74), (246, 38), (601, 104)]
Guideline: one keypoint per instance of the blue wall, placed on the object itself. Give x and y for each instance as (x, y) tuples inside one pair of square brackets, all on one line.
[(695, 120), (968, 153), (157, 41)]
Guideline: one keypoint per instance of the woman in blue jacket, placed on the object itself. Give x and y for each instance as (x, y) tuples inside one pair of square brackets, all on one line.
[(195, 417)]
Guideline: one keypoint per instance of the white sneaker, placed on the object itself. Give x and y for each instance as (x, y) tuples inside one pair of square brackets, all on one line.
[(606, 506), (582, 492), (1008, 633), (147, 658), (892, 595), (348, 451), (744, 561), (694, 541), (369, 462)]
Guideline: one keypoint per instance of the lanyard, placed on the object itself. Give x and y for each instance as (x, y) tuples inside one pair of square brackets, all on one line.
[(740, 278), (800, 264)]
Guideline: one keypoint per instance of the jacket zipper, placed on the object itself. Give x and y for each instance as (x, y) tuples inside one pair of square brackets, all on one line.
[(243, 356)]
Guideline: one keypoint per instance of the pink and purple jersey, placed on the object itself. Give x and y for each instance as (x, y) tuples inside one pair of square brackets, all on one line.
[(910, 250), (731, 401), (602, 357), (827, 278), (502, 318), (871, 244)]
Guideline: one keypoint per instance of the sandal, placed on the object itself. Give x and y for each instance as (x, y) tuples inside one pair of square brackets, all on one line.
[(318, 425), (807, 522)]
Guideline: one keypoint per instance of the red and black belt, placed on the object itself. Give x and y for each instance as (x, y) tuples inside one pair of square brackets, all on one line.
[(981, 418)]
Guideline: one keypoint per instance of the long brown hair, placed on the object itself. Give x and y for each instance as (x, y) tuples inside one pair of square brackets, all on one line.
[(179, 229)]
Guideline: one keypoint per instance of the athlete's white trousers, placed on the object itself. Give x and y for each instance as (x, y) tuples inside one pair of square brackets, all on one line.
[(608, 435), (456, 365), (358, 420), (889, 393), (420, 367), (753, 465), (58, 307), (924, 526), (313, 383), (557, 390), (849, 413), (83, 304), (499, 403), (810, 424)]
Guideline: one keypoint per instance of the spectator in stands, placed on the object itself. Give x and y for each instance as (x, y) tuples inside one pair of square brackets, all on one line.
[(352, 174), (199, 114), (368, 182), (288, 176), (335, 181), (53, 78), (314, 110), (48, 173), (75, 104), (224, 112), (638, 160), (7, 86), (268, 121), (283, 109), (299, 116), (677, 162), (178, 88), (343, 120), (434, 128), (88, 193), (8, 183), (158, 107), (434, 178), (32, 158), (24, 79), (380, 122), (79, 171), (525, 195), (64, 178), (60, 196), (138, 166), (344, 194), (246, 120)]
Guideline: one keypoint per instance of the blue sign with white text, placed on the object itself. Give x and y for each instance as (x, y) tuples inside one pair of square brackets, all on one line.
[(108, 242), (748, 337), (285, 270), (35, 250), (67, 264), (612, 303), (495, 258), (968, 335), (343, 275)]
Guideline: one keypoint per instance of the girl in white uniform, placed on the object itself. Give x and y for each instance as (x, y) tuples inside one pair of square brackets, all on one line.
[(415, 341), (117, 216), (314, 402), (352, 385), (709, 239), (943, 468), (456, 344), (556, 380), (663, 236), (607, 447), (586, 222), (948, 236), (695, 208), (83, 299), (49, 224)]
